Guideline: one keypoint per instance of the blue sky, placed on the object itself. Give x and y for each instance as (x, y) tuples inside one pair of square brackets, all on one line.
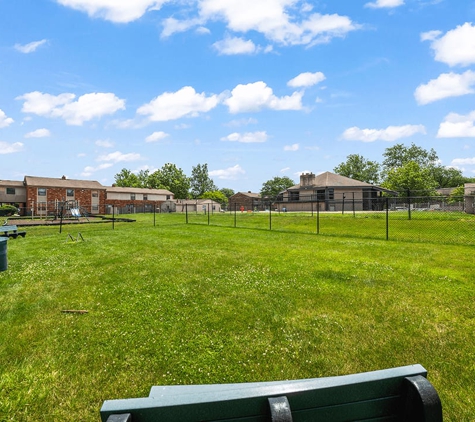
[(254, 88)]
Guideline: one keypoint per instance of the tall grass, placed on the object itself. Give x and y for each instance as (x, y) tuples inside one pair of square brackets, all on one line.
[(181, 304)]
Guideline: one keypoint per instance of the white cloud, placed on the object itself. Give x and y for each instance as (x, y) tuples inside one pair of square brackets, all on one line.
[(457, 126), (87, 107), (30, 47), (256, 96), (391, 133), (156, 136), (446, 85), (285, 169), (4, 120), (89, 170), (38, 133), (456, 47), (6, 148), (234, 45), (306, 79), (172, 26), (231, 173), (380, 4), (278, 20), (248, 137), (118, 157), (242, 122), (120, 11), (104, 143), (293, 147), (174, 105), (463, 162)]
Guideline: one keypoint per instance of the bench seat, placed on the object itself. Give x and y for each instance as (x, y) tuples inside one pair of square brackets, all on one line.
[(11, 231), (396, 394)]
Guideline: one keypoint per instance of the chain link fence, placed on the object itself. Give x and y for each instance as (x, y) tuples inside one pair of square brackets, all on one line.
[(423, 219)]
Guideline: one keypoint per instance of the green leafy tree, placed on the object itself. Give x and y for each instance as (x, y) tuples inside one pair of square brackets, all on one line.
[(125, 178), (227, 192), (447, 177), (172, 178), (274, 186), (457, 195), (399, 155), (200, 181), (411, 179), (217, 196), (359, 168)]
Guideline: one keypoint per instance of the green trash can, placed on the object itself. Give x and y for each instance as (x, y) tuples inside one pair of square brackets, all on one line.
[(3, 253)]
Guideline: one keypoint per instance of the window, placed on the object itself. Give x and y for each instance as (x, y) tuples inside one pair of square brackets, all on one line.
[(132, 196), (41, 206), (294, 196), (331, 193), (95, 207), (321, 195), (168, 197), (10, 191), (95, 194), (145, 197), (70, 192), (41, 191)]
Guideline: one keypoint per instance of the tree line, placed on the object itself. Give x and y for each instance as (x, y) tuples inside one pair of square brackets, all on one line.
[(407, 170), (170, 177)]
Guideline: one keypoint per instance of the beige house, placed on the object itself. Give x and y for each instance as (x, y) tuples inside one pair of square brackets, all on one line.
[(197, 205), (330, 192), (12, 193), (469, 198), (131, 200)]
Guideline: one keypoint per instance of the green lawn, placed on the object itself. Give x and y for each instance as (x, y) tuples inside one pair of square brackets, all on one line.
[(181, 304)]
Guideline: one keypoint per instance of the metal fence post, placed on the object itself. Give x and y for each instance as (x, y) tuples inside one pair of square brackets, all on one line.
[(318, 216), (208, 213), (270, 216), (235, 213), (387, 218), (186, 213)]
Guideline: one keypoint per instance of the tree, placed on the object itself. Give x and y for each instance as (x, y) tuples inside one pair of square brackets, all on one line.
[(274, 186), (410, 178), (457, 195), (358, 168), (399, 155), (125, 178), (217, 196), (227, 192), (447, 177), (172, 178), (200, 182)]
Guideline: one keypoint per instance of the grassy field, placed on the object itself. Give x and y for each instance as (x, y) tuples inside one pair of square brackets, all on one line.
[(182, 304)]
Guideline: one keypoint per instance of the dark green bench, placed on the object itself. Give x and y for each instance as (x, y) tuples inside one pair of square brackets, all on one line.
[(396, 394), (11, 231)]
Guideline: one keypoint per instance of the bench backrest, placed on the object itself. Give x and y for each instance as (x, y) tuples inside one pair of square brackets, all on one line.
[(396, 394), (8, 228)]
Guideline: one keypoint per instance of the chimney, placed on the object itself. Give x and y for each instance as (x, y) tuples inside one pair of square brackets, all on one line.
[(64, 177), (307, 179)]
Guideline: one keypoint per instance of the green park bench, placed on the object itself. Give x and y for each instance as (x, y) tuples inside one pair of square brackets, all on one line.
[(11, 231), (397, 394)]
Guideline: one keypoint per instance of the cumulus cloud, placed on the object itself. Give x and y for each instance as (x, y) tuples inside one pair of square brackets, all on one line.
[(456, 47), (280, 21), (463, 162), (391, 133), (38, 133), (174, 105), (6, 148), (120, 11), (104, 143), (4, 120), (85, 108), (384, 4), (235, 45), (457, 126), (89, 170), (293, 147), (118, 157), (156, 136), (30, 47), (231, 173), (446, 85), (256, 96), (306, 79), (247, 138)]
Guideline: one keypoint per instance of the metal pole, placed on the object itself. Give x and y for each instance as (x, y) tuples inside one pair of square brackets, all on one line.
[(343, 205), (270, 216), (318, 216), (387, 218), (186, 213), (353, 204), (113, 216), (208, 213), (409, 203), (154, 212), (235, 212)]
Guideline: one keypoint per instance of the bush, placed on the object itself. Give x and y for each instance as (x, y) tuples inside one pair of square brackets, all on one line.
[(7, 210)]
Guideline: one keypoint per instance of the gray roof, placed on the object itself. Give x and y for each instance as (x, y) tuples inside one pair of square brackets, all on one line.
[(12, 183), (250, 194), (62, 182), (120, 189)]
